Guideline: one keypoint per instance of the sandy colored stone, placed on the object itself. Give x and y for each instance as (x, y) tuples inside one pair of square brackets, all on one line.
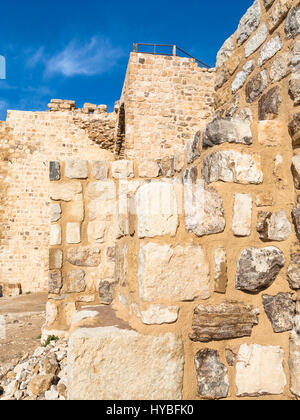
[(156, 207), (39, 384), (75, 209), (278, 13), (159, 314), (225, 52), (73, 233), (220, 274), (212, 375), (77, 169), (274, 226), (294, 268), (84, 256), (228, 320), (65, 191), (296, 170), (292, 23), (55, 212), (204, 212), (256, 41), (55, 235), (256, 85), (242, 76), (76, 281), (232, 166), (148, 168), (96, 231), (269, 50), (281, 310), (194, 148), (55, 282), (178, 274), (294, 129), (242, 215), (100, 169), (249, 22), (122, 169), (268, 107), (126, 365), (55, 259), (264, 199), (259, 370), (280, 66), (294, 88), (294, 363)]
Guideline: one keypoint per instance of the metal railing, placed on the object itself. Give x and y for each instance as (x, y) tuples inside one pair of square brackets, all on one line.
[(175, 49)]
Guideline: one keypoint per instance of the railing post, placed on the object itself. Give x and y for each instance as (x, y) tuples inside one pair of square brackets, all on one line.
[(135, 48), (174, 50)]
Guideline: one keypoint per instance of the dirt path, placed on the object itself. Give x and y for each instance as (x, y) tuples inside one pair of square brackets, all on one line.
[(24, 317)]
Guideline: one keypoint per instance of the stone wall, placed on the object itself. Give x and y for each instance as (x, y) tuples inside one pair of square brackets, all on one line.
[(202, 255), (28, 141), (167, 100)]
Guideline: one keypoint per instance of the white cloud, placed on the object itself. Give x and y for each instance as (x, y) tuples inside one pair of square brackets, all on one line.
[(78, 59)]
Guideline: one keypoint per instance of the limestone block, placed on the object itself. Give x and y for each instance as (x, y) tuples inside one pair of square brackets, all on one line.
[(294, 364), (159, 314), (51, 313), (73, 233), (269, 104), (221, 78), (39, 384), (294, 88), (274, 226), (103, 200), (106, 292), (204, 213), (256, 86), (292, 24), (128, 366), (54, 171), (84, 256), (77, 169), (223, 322), (225, 52), (55, 235), (122, 169), (249, 23), (194, 148), (55, 282), (281, 310), (65, 191), (278, 13), (242, 215), (294, 268), (232, 166), (75, 209), (268, 3), (296, 170), (295, 61), (294, 129), (269, 50), (296, 217), (221, 277), (212, 375), (55, 259), (280, 67), (259, 370), (258, 268), (76, 281), (100, 169), (242, 76), (230, 130), (264, 199), (55, 212), (96, 231), (148, 168), (177, 274), (256, 41), (157, 210)]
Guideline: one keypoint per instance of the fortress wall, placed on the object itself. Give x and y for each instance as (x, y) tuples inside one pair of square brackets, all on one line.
[(31, 140), (167, 100)]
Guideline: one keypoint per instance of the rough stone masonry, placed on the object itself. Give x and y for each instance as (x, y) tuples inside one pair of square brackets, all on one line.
[(174, 259)]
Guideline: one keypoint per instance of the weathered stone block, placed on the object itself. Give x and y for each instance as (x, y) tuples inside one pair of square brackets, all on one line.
[(160, 314), (221, 277), (296, 170), (106, 292), (264, 199), (225, 52), (256, 86), (76, 281), (204, 213), (294, 129), (212, 375), (242, 76), (280, 67), (242, 215), (54, 171), (157, 211), (55, 259), (55, 212), (135, 367), (294, 268), (96, 231), (77, 169), (84, 256), (148, 168), (294, 88), (292, 24), (280, 310), (273, 226), (268, 3), (73, 233), (259, 371), (232, 166), (271, 133), (258, 268), (230, 130), (55, 235), (223, 322), (122, 169), (294, 363), (269, 104), (249, 23), (296, 217), (100, 169), (256, 41), (65, 191), (178, 274), (55, 282), (194, 148), (269, 50), (278, 13)]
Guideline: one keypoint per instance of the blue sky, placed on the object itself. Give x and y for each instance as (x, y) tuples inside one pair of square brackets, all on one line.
[(72, 49)]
